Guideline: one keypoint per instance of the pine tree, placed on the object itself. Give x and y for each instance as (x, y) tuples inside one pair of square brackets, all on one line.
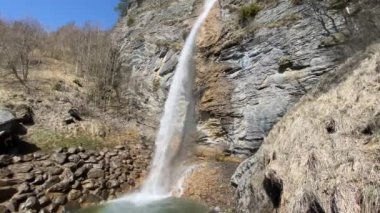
[(122, 8)]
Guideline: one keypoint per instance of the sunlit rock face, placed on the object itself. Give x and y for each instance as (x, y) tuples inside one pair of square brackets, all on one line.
[(320, 156), (248, 75)]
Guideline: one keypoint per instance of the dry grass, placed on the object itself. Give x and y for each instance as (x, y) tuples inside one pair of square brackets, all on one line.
[(333, 169), (52, 92), (213, 189)]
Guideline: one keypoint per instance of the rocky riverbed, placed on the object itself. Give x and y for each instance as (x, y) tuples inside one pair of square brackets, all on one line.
[(69, 178)]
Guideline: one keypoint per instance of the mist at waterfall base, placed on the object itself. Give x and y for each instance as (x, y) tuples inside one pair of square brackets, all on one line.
[(176, 128)]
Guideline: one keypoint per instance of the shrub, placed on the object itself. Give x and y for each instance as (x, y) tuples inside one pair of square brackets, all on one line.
[(249, 11), (122, 8), (130, 21)]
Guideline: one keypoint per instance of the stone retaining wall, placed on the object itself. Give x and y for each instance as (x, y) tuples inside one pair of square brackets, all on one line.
[(69, 178)]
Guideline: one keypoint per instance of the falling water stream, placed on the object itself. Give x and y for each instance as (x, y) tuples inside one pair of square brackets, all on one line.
[(175, 131), (177, 122)]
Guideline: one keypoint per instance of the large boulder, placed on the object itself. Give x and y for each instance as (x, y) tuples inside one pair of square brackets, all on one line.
[(10, 126)]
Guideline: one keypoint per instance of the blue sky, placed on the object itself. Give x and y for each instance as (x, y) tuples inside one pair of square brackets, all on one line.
[(54, 13)]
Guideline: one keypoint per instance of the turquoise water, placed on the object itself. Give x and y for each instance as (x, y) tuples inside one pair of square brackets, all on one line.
[(169, 205)]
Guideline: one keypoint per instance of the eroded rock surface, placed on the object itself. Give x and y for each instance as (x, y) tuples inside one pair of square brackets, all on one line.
[(321, 156), (248, 75)]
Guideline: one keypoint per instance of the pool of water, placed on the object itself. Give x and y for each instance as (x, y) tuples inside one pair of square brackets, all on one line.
[(168, 205)]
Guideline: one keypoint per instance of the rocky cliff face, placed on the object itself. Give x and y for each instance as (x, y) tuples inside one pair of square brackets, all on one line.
[(249, 74), (150, 39), (323, 155)]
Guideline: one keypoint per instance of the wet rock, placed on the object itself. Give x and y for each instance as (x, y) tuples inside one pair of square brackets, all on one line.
[(16, 159), (31, 203), (75, 185), (123, 177), (24, 176), (46, 163), (83, 156), (24, 188), (58, 198), (4, 209), (60, 150), (74, 195), (67, 175), (92, 159), (7, 193), (53, 207), (92, 198), (98, 166), (55, 171), (73, 150), (59, 158), (80, 172), (5, 160), (60, 187), (39, 156), (117, 172), (12, 205), (21, 168), (74, 158), (51, 181), (116, 163), (112, 184), (92, 153), (89, 184), (72, 206), (215, 210), (101, 193), (38, 171), (43, 211), (81, 149), (111, 154), (131, 182), (44, 201), (120, 147), (100, 183), (27, 158), (5, 173), (72, 166), (19, 198), (38, 180), (95, 173)]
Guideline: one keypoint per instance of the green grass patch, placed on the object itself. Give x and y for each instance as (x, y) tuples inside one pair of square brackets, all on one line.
[(249, 11), (49, 140)]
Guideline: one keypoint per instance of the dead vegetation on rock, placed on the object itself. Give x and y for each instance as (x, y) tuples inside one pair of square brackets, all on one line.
[(326, 149)]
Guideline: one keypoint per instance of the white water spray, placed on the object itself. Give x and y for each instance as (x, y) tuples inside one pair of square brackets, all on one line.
[(177, 122)]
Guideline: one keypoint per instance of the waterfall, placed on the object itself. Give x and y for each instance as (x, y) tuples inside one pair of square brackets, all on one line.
[(177, 122)]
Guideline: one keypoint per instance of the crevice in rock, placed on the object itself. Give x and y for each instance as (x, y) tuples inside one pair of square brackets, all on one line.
[(273, 187), (373, 126), (286, 63), (368, 130), (331, 126), (315, 207)]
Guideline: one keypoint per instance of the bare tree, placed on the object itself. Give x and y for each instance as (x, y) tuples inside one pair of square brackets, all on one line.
[(18, 40), (320, 10)]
